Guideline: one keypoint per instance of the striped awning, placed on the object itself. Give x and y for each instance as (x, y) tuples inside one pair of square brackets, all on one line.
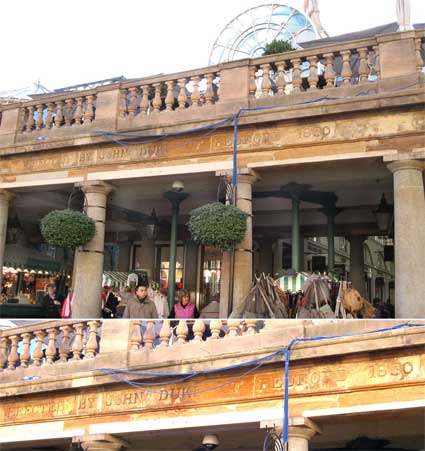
[(292, 283), (115, 278)]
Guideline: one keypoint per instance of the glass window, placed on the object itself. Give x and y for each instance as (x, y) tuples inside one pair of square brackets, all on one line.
[(165, 265)]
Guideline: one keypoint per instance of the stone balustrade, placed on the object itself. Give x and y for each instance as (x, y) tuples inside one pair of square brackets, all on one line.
[(55, 342), (68, 111), (47, 343), (386, 63), (317, 68), (165, 93)]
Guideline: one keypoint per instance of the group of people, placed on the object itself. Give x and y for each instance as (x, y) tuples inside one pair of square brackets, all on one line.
[(147, 304)]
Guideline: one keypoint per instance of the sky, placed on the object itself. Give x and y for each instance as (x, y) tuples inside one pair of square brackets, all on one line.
[(64, 43)]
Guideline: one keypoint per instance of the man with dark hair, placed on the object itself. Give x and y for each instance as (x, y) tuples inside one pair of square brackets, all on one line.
[(51, 304), (141, 306)]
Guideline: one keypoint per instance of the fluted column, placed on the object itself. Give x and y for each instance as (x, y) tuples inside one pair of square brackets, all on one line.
[(409, 238), (89, 266), (5, 197), (357, 264)]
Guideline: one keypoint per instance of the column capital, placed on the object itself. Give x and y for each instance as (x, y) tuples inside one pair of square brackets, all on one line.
[(101, 442), (95, 186), (6, 195), (245, 175), (401, 165)]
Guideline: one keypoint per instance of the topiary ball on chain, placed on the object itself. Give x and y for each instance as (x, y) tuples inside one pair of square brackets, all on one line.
[(218, 225), (67, 228)]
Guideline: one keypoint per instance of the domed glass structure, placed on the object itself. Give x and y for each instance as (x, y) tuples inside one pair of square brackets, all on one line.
[(247, 34)]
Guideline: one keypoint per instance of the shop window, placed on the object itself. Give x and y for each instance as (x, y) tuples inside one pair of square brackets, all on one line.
[(211, 273), (164, 267)]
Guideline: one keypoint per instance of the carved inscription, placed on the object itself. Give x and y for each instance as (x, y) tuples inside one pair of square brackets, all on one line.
[(264, 384)]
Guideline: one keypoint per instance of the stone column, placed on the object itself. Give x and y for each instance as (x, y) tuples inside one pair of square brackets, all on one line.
[(5, 197), (357, 277), (409, 238), (101, 442), (300, 431), (242, 276), (89, 265)]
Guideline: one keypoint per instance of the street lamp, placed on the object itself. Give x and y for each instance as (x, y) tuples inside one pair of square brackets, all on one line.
[(176, 196), (383, 215)]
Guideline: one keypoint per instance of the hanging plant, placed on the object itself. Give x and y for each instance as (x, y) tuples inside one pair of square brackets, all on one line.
[(67, 228), (218, 225)]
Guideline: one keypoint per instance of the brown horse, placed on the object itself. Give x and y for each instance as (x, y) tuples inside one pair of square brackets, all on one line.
[(354, 303)]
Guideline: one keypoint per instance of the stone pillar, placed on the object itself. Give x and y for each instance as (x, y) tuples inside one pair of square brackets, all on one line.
[(300, 431), (299, 437), (101, 442), (242, 276), (357, 275), (5, 197), (409, 238), (89, 265)]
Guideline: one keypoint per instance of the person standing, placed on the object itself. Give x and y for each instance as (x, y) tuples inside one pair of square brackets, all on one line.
[(141, 306), (184, 309), (51, 304)]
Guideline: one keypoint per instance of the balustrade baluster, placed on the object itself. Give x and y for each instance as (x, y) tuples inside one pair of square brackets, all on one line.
[(144, 103), (265, 84), (65, 345), (26, 353), (233, 325), (169, 99), (3, 353), (199, 329), (132, 106), (195, 93), (122, 103), (363, 67), (281, 82), (39, 120), (37, 355), (252, 81), (68, 112), (419, 59), (89, 113), (313, 78), (49, 116), (149, 335), (13, 359), (78, 113), (30, 120), (296, 74), (346, 72), (209, 91), (165, 333), (215, 327), (51, 347), (136, 335), (77, 346), (377, 65), (157, 101), (182, 331), (182, 98), (251, 326), (91, 346), (59, 113), (329, 72)]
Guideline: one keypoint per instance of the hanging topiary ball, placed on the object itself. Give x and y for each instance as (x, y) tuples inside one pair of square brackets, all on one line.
[(218, 225), (67, 228)]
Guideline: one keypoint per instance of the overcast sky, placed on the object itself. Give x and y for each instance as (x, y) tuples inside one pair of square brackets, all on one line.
[(64, 43)]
